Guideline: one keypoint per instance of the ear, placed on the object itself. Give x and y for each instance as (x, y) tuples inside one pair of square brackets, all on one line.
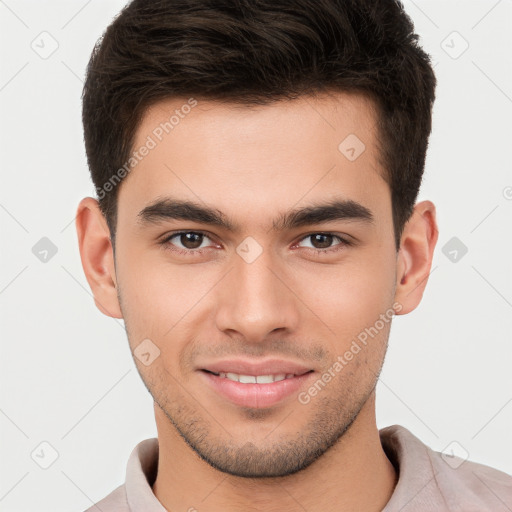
[(414, 258), (97, 256)]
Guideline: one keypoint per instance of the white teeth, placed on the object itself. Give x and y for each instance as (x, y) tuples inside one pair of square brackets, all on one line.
[(258, 379), (264, 379), (247, 379)]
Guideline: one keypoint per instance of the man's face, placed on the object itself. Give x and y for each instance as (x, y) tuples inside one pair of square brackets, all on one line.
[(263, 298)]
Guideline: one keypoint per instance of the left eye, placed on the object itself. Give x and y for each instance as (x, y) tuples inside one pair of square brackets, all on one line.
[(324, 240)]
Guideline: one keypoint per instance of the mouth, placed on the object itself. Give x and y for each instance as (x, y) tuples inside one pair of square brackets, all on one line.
[(256, 379), (253, 388)]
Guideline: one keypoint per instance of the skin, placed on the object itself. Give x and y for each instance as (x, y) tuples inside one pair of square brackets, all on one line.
[(254, 164)]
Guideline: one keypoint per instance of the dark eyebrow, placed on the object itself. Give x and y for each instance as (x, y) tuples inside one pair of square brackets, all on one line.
[(170, 208), (336, 209)]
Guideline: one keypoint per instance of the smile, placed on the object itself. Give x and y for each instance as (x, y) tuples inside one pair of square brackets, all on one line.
[(256, 391), (254, 379)]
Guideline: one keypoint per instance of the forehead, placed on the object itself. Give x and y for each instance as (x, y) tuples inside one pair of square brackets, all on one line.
[(323, 118), (256, 159)]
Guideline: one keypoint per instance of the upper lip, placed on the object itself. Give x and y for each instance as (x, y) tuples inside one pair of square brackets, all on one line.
[(268, 367)]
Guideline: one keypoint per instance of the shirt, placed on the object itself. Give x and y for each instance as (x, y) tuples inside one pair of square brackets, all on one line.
[(427, 480)]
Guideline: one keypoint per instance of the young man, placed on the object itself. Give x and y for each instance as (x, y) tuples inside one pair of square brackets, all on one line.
[(257, 165)]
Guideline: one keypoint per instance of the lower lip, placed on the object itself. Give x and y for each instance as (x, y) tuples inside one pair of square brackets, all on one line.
[(257, 396)]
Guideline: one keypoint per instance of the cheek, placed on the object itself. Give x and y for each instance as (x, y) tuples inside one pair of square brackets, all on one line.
[(350, 297), (150, 285), (159, 300)]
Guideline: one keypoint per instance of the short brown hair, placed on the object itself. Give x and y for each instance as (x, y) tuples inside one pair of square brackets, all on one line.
[(258, 52)]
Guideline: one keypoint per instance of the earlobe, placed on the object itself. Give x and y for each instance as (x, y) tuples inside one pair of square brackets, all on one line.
[(97, 256), (417, 245)]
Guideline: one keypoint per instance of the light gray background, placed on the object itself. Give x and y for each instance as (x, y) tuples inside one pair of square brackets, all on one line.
[(67, 374)]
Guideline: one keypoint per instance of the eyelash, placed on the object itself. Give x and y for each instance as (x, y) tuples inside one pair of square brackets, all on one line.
[(166, 243)]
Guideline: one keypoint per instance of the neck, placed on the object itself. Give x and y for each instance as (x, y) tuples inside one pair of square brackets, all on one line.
[(354, 474)]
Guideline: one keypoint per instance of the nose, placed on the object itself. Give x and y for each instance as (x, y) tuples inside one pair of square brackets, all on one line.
[(256, 299)]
